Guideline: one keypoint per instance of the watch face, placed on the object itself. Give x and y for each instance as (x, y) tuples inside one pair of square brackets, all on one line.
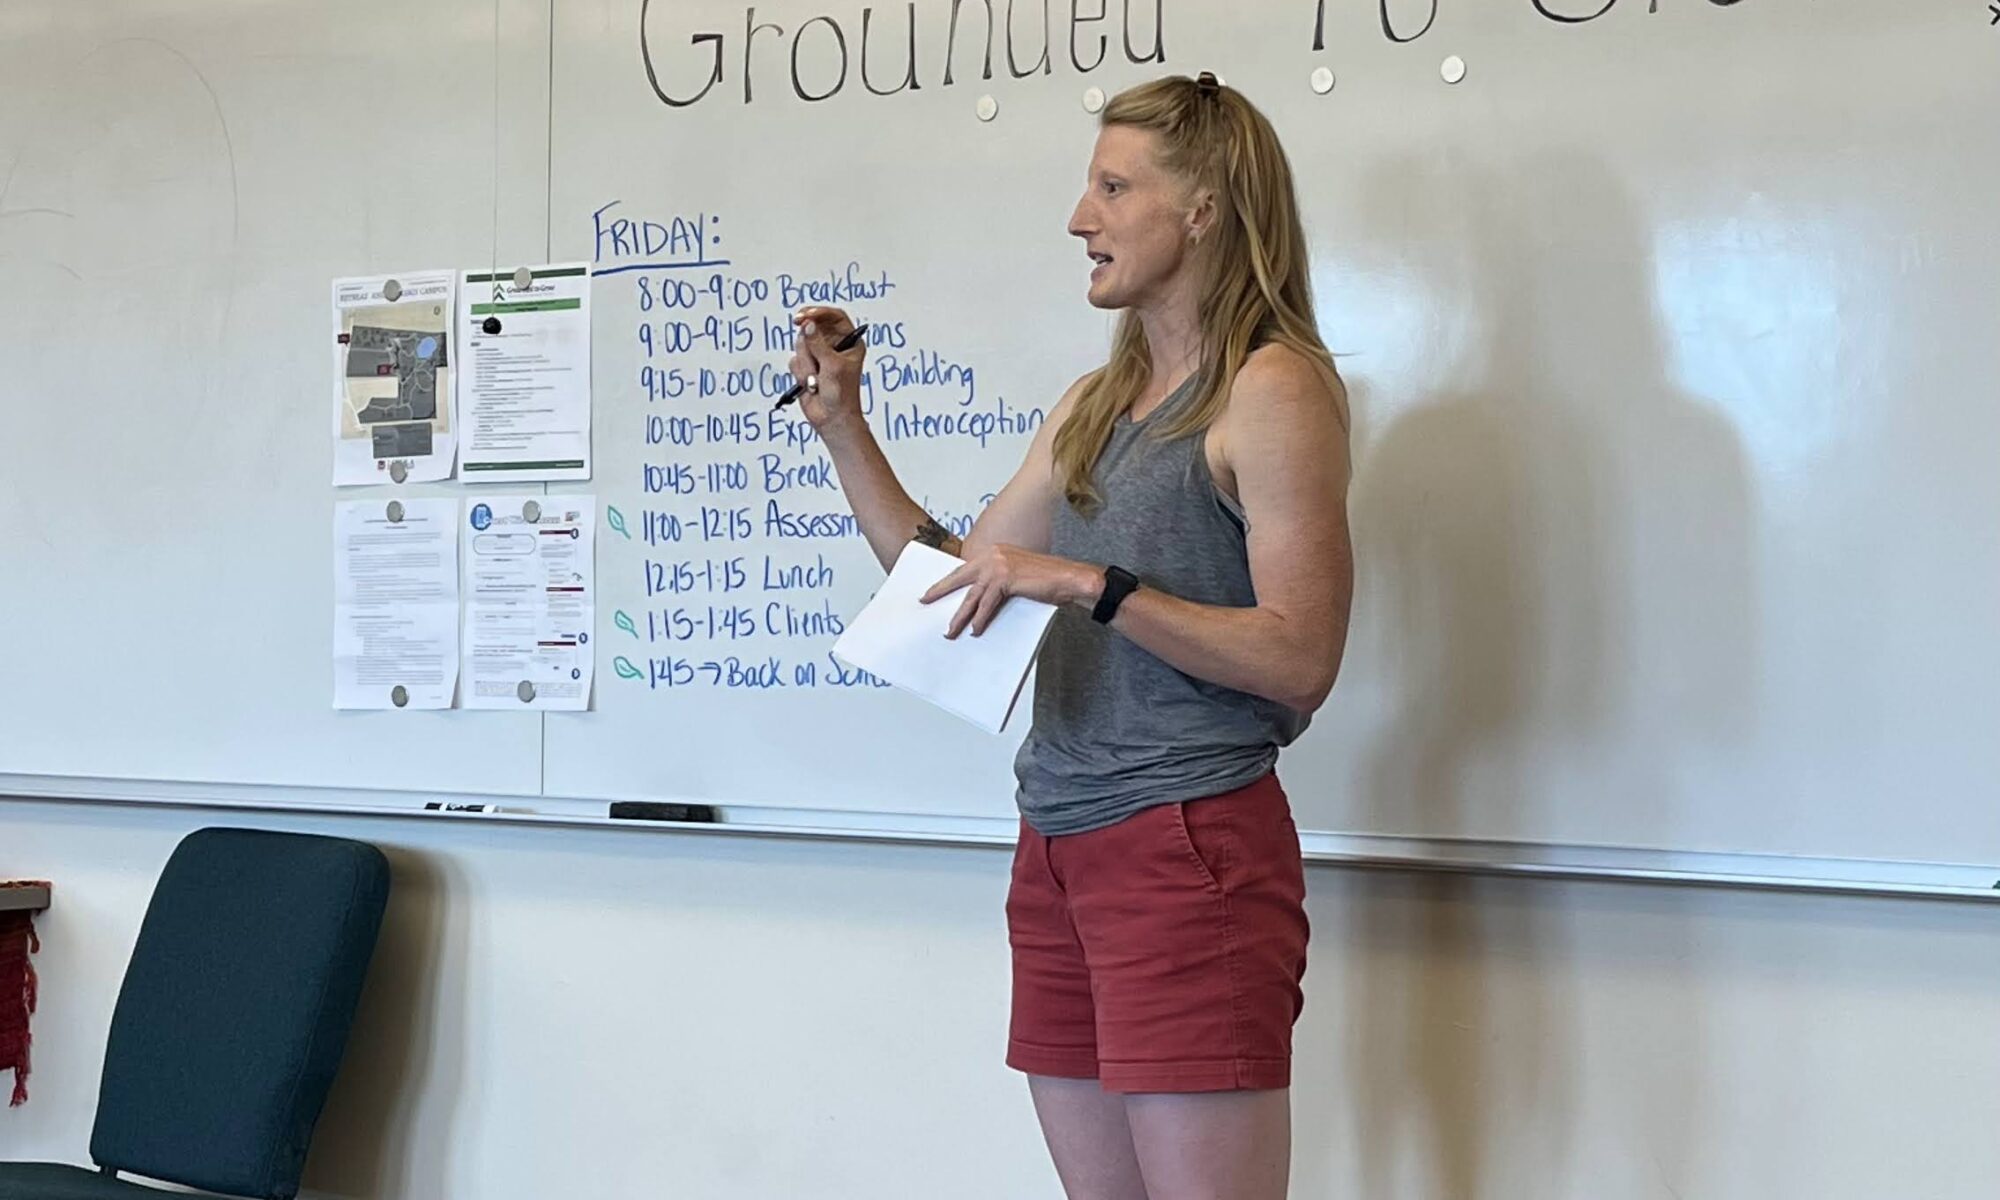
[(1118, 584)]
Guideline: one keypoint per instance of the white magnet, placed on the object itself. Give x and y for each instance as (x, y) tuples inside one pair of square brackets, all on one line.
[(395, 513), (1322, 81), (1453, 69), (523, 277), (399, 470), (392, 291), (987, 108), (531, 512), (1093, 99)]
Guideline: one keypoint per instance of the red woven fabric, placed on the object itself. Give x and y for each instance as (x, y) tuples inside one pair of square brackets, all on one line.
[(17, 995)]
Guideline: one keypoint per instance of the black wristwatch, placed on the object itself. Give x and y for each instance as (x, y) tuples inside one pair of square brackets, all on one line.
[(1118, 584)]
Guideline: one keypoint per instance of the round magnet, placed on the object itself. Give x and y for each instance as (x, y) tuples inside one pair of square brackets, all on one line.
[(1093, 99), (526, 692), (1453, 69), (392, 291), (531, 511), (523, 277), (490, 325), (1322, 81), (987, 108), (399, 696), (399, 470), (395, 512)]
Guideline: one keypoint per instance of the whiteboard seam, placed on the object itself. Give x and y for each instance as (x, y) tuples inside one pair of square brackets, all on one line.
[(549, 149)]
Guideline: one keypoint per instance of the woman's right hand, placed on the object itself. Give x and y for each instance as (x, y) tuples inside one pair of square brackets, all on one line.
[(834, 395)]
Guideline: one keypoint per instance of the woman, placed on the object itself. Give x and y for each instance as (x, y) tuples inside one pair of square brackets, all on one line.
[(1185, 504)]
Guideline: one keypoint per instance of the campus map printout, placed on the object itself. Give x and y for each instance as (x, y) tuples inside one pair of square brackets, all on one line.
[(392, 407)]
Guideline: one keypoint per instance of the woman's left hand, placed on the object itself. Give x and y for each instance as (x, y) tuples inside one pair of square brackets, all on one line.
[(997, 572)]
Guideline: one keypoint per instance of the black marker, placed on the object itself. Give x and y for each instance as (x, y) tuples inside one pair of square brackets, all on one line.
[(840, 347)]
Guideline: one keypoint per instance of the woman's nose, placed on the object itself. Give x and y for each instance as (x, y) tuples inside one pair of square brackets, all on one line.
[(1080, 222)]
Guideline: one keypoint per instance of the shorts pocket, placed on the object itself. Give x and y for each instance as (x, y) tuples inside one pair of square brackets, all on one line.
[(1203, 843)]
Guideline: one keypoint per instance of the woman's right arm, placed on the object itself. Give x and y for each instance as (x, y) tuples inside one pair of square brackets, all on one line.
[(889, 518)]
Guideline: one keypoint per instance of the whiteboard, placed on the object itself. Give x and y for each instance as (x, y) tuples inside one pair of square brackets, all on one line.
[(181, 183), (1670, 342), (1668, 333)]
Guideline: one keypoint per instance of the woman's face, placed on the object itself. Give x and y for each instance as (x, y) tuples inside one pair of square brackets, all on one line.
[(1134, 220)]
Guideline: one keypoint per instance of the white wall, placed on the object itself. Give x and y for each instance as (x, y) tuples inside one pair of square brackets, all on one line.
[(611, 1014)]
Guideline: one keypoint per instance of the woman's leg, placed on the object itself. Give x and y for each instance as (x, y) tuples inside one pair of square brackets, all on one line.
[(1213, 1145), (1053, 1036), (1192, 919), (1089, 1138)]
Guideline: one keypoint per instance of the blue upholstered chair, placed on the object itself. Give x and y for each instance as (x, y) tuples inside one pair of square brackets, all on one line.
[(232, 1019)]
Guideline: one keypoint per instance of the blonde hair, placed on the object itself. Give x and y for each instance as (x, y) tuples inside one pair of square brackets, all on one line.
[(1257, 289)]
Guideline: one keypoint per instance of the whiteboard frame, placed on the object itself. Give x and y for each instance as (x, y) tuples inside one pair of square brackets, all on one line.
[(1524, 860)]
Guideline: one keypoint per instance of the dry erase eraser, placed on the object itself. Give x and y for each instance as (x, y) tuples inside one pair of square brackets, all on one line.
[(648, 810)]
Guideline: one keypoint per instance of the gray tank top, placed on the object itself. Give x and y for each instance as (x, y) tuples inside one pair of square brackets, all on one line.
[(1117, 730)]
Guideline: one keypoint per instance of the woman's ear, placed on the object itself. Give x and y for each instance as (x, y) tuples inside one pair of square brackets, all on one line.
[(1201, 217)]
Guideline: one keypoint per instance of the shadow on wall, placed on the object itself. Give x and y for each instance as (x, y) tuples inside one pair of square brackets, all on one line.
[(1553, 556), (370, 1141)]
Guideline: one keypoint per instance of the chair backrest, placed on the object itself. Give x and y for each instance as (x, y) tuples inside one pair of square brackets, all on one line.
[(235, 1009)]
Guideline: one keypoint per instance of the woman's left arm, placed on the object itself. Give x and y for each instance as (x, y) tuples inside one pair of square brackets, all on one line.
[(1283, 440)]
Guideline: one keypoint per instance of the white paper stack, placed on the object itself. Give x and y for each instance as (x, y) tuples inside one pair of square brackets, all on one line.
[(901, 640)]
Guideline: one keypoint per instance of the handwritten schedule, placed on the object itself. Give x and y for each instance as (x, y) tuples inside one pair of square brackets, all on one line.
[(733, 528)]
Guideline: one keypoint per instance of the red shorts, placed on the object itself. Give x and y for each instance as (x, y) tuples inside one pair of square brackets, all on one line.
[(1163, 953)]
